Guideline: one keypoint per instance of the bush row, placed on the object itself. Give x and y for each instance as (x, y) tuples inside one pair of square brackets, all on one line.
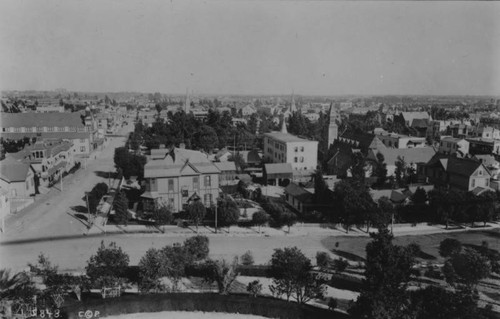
[(199, 270), (243, 304)]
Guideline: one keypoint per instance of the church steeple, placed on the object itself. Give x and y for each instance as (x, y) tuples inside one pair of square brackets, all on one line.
[(293, 107), (333, 129), (187, 103), (283, 125)]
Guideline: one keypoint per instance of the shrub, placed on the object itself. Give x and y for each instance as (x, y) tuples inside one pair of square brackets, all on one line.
[(332, 304), (247, 258), (449, 247), (340, 264), (197, 247), (254, 288), (109, 261), (322, 259)]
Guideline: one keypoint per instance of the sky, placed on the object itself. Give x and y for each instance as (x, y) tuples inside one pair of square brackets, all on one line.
[(252, 47)]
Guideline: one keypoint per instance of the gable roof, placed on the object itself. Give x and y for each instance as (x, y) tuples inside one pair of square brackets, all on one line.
[(183, 163), (463, 166), (410, 155), (298, 192), (13, 171), (225, 166)]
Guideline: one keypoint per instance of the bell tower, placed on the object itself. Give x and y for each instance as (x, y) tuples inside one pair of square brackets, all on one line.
[(333, 129)]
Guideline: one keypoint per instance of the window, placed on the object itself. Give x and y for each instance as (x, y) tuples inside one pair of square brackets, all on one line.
[(207, 199), (82, 149), (302, 159), (196, 182), (296, 149), (27, 185), (82, 140), (61, 129), (487, 182), (302, 148), (152, 185), (480, 172), (208, 182), (17, 130), (170, 185), (295, 159), (50, 129), (29, 129), (473, 184), (171, 202)]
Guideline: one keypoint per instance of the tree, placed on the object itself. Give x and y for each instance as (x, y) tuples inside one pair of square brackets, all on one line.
[(149, 271), (383, 215), (260, 218), (440, 303), (292, 277), (449, 247), (358, 167), (380, 170), (9, 284), (487, 203), (197, 212), (388, 269), (222, 273), (254, 288), (466, 268), (241, 189), (173, 262), (419, 197), (197, 247), (120, 205), (109, 261), (228, 212), (323, 259), (401, 172), (353, 202), (162, 215), (289, 219), (247, 258), (207, 138)]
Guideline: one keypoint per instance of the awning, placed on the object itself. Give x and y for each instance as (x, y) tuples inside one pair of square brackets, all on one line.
[(51, 171)]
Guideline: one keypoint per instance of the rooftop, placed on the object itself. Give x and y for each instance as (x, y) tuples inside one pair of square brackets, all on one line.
[(40, 119), (178, 162), (12, 170), (287, 138)]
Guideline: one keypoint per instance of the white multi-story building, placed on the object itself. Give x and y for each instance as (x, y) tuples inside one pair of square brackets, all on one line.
[(282, 147), (451, 145)]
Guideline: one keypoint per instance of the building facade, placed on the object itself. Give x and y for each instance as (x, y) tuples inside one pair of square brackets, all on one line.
[(177, 177)]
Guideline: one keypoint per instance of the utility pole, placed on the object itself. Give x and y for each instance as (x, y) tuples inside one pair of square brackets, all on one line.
[(88, 208), (216, 216)]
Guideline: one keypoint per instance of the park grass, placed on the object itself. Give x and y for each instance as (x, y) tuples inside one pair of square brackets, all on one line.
[(353, 248)]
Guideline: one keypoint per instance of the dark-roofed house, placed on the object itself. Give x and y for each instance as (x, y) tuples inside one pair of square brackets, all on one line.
[(177, 177), (299, 198), (460, 173), (17, 178), (276, 174), (347, 144), (67, 126)]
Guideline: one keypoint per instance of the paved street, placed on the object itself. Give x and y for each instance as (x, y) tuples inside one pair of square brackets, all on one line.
[(48, 216)]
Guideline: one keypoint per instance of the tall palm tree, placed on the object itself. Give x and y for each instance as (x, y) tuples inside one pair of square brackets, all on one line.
[(8, 283)]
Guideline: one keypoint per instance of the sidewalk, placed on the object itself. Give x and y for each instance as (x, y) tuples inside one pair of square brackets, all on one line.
[(295, 231)]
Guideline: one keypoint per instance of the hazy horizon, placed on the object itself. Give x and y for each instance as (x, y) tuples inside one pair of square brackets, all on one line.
[(252, 47)]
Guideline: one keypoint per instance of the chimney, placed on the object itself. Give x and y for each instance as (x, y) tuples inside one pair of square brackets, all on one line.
[(182, 146)]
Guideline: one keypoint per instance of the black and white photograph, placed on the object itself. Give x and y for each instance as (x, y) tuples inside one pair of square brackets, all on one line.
[(249, 159)]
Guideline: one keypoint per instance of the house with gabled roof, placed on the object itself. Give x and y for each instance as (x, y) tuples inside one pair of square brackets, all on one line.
[(176, 177), (464, 174), (17, 178)]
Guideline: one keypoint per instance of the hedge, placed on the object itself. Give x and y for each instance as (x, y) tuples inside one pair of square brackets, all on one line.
[(242, 304), (346, 282), (198, 270)]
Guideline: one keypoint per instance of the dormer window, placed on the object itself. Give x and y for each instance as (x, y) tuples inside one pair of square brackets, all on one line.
[(481, 172)]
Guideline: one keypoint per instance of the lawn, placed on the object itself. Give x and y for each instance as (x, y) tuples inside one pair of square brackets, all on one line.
[(353, 248)]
